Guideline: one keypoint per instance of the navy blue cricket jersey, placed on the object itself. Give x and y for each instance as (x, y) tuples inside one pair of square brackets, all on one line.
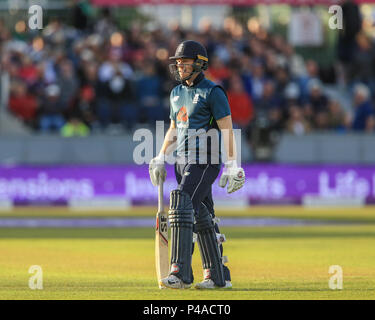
[(198, 107)]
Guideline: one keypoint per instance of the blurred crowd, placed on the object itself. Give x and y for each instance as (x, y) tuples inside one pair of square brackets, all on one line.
[(77, 79)]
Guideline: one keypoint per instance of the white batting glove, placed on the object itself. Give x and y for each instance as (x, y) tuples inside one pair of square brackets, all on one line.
[(233, 175), (157, 170)]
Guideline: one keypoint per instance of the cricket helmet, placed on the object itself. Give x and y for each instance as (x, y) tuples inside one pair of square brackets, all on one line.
[(192, 50)]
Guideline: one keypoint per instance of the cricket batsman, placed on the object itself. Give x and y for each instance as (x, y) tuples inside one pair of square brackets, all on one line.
[(197, 106)]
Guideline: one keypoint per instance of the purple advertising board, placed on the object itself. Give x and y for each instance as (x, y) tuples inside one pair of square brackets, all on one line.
[(264, 183)]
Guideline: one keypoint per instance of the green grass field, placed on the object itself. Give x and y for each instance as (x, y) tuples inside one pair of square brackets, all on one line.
[(265, 262), (361, 215)]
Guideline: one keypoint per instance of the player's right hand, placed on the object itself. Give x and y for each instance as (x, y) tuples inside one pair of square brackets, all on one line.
[(157, 170)]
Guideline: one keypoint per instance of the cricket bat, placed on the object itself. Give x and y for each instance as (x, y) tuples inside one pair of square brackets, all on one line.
[(161, 239)]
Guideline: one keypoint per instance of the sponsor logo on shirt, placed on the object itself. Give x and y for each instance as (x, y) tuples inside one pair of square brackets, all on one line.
[(182, 118), (182, 115)]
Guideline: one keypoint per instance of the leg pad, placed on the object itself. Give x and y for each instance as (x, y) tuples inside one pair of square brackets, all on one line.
[(208, 246), (181, 219)]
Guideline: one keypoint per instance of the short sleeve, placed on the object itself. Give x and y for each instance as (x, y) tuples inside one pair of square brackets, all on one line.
[(172, 115), (218, 103)]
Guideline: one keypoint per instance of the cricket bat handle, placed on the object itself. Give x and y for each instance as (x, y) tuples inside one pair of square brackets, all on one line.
[(161, 197)]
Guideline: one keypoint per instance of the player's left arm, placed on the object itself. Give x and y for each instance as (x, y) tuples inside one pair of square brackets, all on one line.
[(226, 127), (232, 174)]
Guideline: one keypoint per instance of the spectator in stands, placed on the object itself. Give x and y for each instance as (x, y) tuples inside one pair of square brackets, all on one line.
[(282, 79), (245, 70), (291, 95), (74, 128), (240, 102), (352, 24), (336, 116), (312, 73), (106, 24), (217, 71), (149, 93), (55, 34), (51, 110), (316, 106), (82, 12), (258, 79), (295, 62), (23, 104), (2, 29), (271, 63), (28, 71), (297, 124), (68, 83), (362, 64), (257, 49), (85, 105), (116, 102), (364, 110), (269, 106)]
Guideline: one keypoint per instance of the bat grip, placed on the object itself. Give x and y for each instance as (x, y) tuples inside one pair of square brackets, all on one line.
[(160, 197)]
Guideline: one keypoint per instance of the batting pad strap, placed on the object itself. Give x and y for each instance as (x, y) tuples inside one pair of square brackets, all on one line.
[(181, 219), (220, 238), (203, 220), (216, 220), (195, 237)]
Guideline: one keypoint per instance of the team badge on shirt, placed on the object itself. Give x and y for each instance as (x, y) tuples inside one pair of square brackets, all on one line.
[(175, 98)]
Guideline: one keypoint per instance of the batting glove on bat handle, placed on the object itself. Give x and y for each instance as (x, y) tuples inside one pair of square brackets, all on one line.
[(157, 170)]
